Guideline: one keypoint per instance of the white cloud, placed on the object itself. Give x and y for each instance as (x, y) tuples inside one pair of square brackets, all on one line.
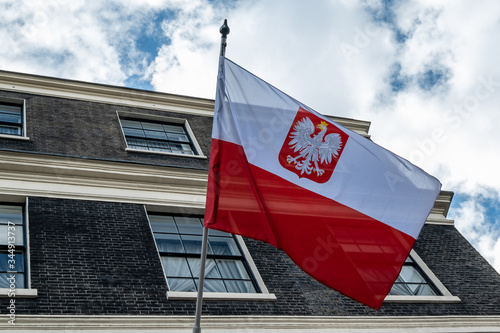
[(188, 65), (88, 41), (473, 220)]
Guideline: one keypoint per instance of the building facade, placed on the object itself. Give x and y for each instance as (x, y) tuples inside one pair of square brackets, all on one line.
[(102, 193)]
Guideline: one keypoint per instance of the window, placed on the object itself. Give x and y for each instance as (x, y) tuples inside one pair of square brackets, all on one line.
[(178, 239), (156, 136), (11, 118), (413, 281), (417, 284), (12, 246)]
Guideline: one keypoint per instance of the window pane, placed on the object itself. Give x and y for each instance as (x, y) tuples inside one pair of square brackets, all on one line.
[(155, 135), (178, 137), (211, 270), (159, 145), (17, 265), (400, 289), (232, 269), (8, 117), (5, 129), (410, 274), (165, 150), (176, 267), (173, 128), (186, 147), (169, 243), (133, 132), (10, 213), (213, 286), (137, 142), (181, 148), (138, 147), (5, 282), (224, 246), (240, 286), (17, 236), (213, 232), (421, 290), (161, 223), (189, 225), (178, 284), (13, 109), (152, 126), (192, 244), (131, 123)]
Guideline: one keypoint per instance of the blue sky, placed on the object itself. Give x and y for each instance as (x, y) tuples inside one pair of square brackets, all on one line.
[(425, 73)]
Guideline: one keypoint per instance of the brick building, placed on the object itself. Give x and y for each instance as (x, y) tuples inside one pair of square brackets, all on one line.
[(105, 187)]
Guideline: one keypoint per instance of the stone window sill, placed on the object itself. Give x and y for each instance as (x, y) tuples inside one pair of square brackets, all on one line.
[(15, 137), (421, 299), (180, 295), (19, 293), (164, 153)]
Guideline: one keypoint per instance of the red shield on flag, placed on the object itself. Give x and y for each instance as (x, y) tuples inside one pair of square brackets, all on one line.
[(312, 147)]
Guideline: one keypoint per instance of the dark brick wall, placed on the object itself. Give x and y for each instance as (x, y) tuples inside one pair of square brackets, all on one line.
[(91, 257), (461, 269), (92, 130)]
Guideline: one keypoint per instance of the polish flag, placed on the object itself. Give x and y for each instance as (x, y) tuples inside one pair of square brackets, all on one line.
[(345, 210)]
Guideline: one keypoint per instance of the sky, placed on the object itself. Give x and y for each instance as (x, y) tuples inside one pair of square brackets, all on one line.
[(425, 73)]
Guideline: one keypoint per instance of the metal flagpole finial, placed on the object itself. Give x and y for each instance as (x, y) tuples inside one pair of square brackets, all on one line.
[(224, 31)]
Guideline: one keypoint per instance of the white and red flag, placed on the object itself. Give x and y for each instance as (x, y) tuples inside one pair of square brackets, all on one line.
[(345, 210)]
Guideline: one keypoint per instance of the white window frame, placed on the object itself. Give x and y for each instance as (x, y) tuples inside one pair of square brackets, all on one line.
[(162, 119), (264, 295), (445, 297), (22, 103), (26, 292)]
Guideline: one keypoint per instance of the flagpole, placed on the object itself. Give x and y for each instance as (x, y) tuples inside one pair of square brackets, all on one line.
[(201, 280), (224, 30)]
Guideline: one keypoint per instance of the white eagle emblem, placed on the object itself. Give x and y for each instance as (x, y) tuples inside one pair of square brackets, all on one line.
[(312, 149)]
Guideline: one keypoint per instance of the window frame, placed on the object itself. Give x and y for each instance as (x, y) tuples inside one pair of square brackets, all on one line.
[(445, 297), (26, 291), (123, 115), (22, 104), (262, 291)]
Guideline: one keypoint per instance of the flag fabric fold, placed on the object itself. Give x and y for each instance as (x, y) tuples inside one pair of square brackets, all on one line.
[(345, 210)]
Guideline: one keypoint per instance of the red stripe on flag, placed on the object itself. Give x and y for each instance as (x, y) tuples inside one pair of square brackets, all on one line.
[(338, 246)]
